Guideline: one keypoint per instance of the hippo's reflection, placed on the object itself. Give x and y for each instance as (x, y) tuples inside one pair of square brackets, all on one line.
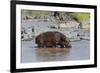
[(51, 54)]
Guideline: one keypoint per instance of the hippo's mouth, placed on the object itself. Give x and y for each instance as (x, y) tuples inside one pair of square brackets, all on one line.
[(69, 46)]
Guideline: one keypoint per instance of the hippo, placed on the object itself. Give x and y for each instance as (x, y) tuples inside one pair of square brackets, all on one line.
[(52, 39)]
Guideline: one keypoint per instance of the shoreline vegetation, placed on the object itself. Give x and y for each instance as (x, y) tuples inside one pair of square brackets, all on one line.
[(75, 25)]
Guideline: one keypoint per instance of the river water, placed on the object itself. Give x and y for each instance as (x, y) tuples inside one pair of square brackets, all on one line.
[(80, 51)]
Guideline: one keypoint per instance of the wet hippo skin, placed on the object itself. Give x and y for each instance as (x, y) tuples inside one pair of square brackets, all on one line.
[(52, 39)]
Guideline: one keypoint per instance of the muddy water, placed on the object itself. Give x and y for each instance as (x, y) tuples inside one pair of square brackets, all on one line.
[(29, 53)]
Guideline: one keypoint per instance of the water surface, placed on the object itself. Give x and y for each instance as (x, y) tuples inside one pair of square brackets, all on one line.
[(80, 51)]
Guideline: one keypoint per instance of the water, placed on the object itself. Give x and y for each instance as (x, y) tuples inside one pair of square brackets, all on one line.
[(80, 51)]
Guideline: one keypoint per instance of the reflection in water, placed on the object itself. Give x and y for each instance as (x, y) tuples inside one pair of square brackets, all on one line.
[(52, 50), (80, 51), (51, 54)]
